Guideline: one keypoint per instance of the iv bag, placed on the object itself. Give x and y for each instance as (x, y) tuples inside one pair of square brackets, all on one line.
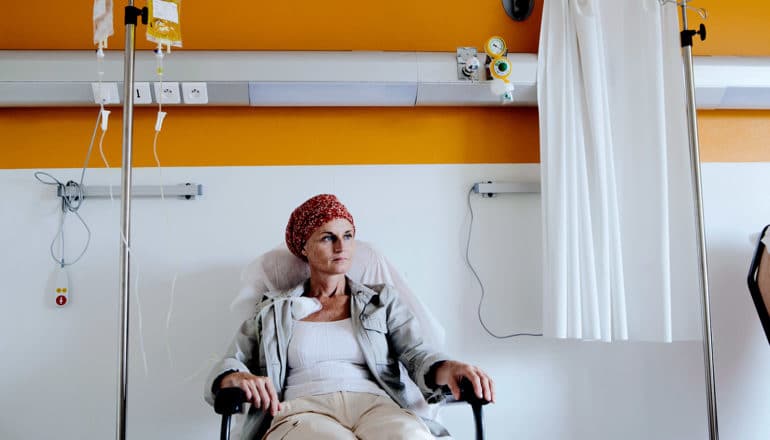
[(163, 24), (102, 22)]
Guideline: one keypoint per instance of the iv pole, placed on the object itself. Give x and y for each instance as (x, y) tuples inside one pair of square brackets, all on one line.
[(131, 15), (692, 126)]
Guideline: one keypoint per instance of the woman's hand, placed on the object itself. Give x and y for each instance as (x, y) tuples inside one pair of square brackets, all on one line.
[(450, 373), (259, 390)]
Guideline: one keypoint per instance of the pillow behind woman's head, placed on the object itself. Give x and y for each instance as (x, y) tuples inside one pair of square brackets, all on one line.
[(278, 270)]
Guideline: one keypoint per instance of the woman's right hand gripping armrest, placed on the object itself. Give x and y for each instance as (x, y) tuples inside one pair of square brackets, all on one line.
[(259, 390)]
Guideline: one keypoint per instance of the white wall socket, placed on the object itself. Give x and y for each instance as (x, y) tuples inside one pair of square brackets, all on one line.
[(142, 93), (195, 93), (169, 94), (109, 93)]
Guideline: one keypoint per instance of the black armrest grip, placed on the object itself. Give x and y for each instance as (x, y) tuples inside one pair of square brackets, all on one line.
[(468, 395), (229, 401)]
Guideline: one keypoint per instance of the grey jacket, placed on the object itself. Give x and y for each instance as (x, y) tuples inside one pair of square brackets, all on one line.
[(385, 329)]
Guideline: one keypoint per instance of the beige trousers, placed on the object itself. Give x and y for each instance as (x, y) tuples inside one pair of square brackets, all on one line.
[(346, 416)]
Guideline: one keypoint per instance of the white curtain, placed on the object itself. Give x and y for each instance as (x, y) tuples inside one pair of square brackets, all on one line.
[(620, 258)]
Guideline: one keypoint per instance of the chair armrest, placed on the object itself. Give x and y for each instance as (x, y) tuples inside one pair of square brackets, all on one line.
[(758, 281), (467, 395), (229, 401)]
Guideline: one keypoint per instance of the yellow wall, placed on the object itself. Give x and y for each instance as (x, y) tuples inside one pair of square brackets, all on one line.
[(426, 25), (245, 136), (45, 138)]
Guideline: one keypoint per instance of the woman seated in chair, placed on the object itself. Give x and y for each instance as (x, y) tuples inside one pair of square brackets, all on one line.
[(321, 360)]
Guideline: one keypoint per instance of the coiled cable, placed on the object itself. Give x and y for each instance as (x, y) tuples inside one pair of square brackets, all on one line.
[(72, 196)]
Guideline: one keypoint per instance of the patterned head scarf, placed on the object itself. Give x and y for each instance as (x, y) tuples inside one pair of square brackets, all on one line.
[(309, 216)]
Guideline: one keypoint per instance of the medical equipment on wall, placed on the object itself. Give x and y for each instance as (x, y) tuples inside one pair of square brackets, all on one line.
[(468, 64), (495, 47), (164, 26), (103, 27), (61, 287), (499, 68), (69, 204)]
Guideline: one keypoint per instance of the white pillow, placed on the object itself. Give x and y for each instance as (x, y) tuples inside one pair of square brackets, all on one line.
[(279, 270)]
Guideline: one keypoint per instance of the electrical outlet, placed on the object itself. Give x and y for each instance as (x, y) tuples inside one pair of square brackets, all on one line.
[(195, 93), (142, 93), (169, 94), (107, 95)]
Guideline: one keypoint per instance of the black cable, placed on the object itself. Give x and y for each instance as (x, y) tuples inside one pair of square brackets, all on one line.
[(478, 279)]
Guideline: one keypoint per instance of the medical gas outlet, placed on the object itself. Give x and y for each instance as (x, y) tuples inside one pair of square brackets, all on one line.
[(499, 68)]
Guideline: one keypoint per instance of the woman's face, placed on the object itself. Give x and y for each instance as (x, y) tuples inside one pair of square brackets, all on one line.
[(330, 249)]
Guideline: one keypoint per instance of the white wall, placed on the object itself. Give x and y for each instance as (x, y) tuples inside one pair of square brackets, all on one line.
[(59, 365)]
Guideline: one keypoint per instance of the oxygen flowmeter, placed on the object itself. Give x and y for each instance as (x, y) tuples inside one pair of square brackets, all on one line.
[(499, 68)]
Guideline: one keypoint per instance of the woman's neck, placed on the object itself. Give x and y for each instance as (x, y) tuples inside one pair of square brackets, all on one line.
[(326, 285)]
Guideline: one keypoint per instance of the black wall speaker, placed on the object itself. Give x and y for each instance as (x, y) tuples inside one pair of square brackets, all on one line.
[(519, 10)]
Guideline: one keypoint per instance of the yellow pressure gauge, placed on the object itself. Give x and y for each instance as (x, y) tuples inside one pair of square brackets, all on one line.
[(501, 69), (495, 47)]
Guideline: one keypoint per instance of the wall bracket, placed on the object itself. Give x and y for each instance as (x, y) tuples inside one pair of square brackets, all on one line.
[(187, 191)]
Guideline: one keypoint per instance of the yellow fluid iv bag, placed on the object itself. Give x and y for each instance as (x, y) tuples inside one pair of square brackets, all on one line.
[(163, 25)]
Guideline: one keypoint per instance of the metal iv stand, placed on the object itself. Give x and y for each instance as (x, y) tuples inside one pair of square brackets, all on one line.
[(692, 125), (131, 15)]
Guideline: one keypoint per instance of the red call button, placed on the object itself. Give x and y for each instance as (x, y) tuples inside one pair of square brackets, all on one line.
[(61, 300)]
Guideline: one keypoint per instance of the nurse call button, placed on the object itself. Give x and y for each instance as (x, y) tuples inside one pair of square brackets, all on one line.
[(61, 300)]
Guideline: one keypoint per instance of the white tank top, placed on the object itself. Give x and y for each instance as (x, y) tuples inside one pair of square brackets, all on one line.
[(324, 357)]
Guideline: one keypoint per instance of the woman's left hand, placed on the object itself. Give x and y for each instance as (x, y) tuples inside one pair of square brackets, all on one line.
[(450, 373)]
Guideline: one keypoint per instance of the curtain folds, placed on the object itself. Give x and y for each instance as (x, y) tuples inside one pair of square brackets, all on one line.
[(620, 258)]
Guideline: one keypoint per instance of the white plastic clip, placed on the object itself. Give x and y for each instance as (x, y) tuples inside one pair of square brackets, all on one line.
[(105, 119), (159, 121)]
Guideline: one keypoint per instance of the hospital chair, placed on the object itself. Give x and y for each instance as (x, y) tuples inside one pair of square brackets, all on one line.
[(759, 281), (278, 270)]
